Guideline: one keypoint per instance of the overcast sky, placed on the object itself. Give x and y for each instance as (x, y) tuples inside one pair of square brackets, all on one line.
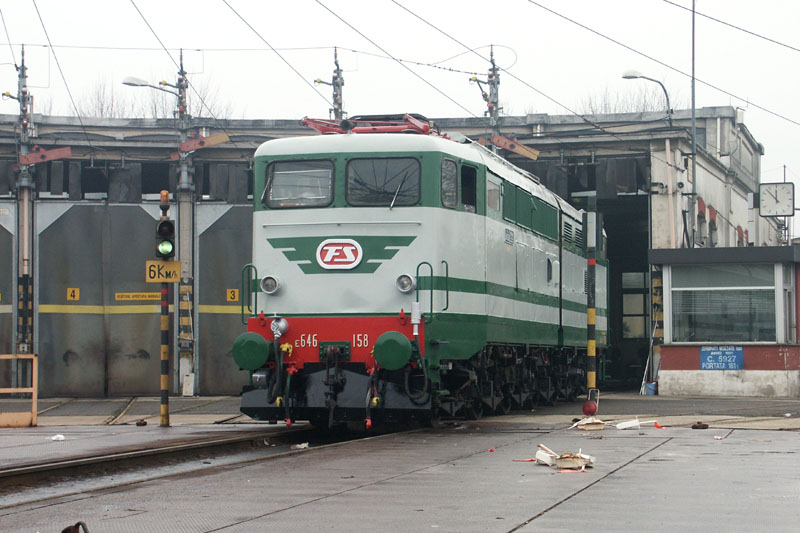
[(102, 41)]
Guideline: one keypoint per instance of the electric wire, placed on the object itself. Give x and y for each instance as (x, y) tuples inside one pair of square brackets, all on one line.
[(754, 34), (63, 78), (390, 55), (8, 38), (594, 125), (516, 57), (651, 58), (474, 51), (180, 68), (277, 53), (435, 64)]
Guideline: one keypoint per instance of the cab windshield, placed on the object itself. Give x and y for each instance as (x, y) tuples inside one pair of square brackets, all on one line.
[(298, 184), (383, 182)]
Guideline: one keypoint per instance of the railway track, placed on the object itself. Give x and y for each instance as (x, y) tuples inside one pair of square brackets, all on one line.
[(45, 480)]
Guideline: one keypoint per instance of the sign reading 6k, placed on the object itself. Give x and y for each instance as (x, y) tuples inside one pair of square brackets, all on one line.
[(162, 271)]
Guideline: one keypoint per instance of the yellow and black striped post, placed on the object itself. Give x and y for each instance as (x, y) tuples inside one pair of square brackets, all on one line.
[(164, 355), (164, 253), (591, 320)]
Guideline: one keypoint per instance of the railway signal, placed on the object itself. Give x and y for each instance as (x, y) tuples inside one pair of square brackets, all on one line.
[(165, 230), (165, 238)]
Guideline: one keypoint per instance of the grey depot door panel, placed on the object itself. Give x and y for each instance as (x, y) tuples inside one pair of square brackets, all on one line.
[(70, 328), (131, 305), (7, 287), (224, 246), (98, 324)]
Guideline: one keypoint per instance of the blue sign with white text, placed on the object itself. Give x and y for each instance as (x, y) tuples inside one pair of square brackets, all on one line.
[(721, 358)]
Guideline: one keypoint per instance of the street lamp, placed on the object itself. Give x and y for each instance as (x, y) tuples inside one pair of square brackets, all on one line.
[(633, 75), (133, 81), (185, 197)]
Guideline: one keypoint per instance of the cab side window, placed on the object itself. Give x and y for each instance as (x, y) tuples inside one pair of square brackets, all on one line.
[(449, 184), (469, 191)]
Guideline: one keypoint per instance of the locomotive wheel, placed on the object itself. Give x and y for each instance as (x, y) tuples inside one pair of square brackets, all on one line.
[(505, 406), (473, 409), (434, 420)]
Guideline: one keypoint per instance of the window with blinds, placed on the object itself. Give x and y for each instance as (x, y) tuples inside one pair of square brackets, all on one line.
[(723, 303)]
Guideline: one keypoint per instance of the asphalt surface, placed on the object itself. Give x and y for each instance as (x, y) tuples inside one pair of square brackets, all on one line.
[(740, 474)]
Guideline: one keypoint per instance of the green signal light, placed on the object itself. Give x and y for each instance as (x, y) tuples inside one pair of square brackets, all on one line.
[(165, 238), (166, 248)]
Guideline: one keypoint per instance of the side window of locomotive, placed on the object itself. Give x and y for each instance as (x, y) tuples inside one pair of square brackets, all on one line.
[(298, 184), (469, 189), (383, 182), (449, 184), (493, 205)]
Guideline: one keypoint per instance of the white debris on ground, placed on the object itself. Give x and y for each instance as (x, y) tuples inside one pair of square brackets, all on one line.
[(566, 460), (634, 424), (590, 423)]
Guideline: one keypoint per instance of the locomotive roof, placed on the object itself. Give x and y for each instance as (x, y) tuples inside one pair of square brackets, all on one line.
[(402, 142)]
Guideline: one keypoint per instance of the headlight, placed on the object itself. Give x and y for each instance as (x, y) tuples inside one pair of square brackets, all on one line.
[(405, 283), (270, 284)]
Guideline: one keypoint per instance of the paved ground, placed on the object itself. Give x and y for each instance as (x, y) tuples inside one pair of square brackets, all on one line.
[(466, 478), (741, 474), (755, 413)]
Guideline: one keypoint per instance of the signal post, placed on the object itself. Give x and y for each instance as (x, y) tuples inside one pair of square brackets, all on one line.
[(27, 157), (164, 271)]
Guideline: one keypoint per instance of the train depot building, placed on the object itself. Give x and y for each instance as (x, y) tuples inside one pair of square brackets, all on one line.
[(730, 322), (92, 320)]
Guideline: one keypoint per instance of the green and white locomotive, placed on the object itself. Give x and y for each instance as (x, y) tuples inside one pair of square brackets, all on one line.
[(406, 275)]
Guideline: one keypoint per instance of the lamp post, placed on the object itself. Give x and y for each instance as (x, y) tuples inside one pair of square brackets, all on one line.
[(185, 195), (633, 75)]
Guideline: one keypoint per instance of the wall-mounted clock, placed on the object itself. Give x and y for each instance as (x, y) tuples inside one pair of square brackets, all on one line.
[(776, 199)]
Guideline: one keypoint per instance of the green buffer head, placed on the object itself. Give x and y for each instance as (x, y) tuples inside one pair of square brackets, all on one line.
[(392, 350), (250, 351)]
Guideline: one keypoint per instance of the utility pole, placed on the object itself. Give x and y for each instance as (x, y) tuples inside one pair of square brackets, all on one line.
[(187, 362), (26, 158), (492, 98), (693, 199), (337, 82), (187, 357), (25, 187)]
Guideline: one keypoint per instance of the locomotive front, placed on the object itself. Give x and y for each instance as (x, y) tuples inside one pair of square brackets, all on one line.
[(338, 240)]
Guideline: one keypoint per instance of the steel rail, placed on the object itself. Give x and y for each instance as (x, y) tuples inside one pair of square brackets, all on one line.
[(106, 458)]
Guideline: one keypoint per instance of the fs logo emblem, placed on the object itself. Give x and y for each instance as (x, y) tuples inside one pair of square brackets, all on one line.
[(339, 254)]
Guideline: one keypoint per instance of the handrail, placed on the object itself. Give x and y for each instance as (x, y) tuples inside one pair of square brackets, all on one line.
[(22, 419), (428, 318), (247, 289), (446, 285)]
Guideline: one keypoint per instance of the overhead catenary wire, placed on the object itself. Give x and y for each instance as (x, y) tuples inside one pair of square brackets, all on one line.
[(189, 83), (278, 53), (754, 34), (438, 90), (8, 38), (675, 69), (474, 51), (63, 77), (434, 64)]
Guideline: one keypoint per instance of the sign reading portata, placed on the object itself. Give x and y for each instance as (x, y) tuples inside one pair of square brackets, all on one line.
[(721, 358), (162, 271), (137, 296)]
